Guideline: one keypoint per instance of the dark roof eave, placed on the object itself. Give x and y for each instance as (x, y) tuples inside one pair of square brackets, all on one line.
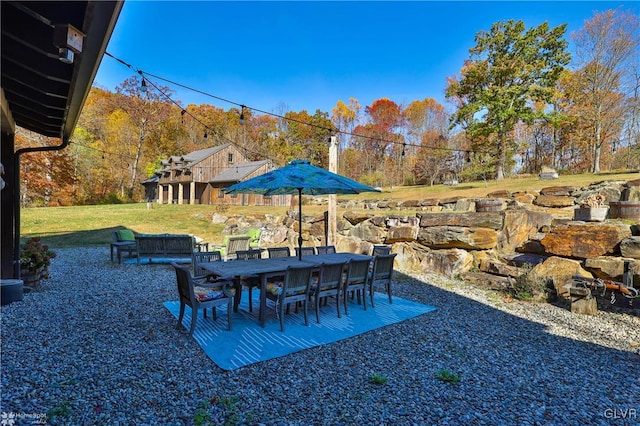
[(96, 43)]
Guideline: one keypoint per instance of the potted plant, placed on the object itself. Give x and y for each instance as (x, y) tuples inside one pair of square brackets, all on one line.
[(592, 209), (35, 259)]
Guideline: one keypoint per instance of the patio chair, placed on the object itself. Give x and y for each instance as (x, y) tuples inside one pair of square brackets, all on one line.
[(204, 257), (202, 295), (326, 249), (256, 237), (356, 282), (306, 251), (293, 288), (382, 274), (329, 284), (248, 281), (279, 251), (233, 244), (248, 254), (378, 250), (124, 240)]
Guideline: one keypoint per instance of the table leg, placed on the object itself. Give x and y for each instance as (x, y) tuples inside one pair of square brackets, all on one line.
[(263, 300), (111, 252)]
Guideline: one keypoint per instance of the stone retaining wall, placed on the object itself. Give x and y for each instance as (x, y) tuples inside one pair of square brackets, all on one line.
[(449, 237)]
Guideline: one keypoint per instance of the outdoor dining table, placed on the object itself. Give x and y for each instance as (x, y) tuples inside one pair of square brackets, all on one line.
[(264, 267)]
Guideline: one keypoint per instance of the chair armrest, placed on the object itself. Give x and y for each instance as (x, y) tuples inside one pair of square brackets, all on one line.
[(225, 284)]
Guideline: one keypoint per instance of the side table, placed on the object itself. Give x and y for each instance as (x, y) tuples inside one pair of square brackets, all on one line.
[(122, 246)]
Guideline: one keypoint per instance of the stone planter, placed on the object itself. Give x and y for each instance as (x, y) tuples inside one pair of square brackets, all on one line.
[(591, 214)]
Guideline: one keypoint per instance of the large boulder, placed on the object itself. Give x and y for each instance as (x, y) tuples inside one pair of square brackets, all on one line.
[(355, 218), (524, 198), (503, 193), (553, 201), (352, 245), (409, 255), (520, 226), (630, 247), (274, 235), (447, 262), (493, 220), (585, 240), (410, 204), (397, 234), (498, 267), (440, 237), (558, 190), (369, 232), (611, 267), (561, 271)]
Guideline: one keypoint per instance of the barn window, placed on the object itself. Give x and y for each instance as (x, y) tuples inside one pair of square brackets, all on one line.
[(230, 158)]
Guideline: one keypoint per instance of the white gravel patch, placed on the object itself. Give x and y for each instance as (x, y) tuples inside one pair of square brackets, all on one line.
[(94, 345)]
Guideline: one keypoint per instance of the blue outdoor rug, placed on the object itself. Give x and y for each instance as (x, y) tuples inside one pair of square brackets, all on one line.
[(248, 343)]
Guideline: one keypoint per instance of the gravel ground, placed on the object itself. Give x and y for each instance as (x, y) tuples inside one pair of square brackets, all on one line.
[(95, 346)]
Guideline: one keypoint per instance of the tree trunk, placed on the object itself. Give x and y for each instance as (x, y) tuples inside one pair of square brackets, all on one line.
[(598, 147), (502, 156), (596, 158), (134, 171)]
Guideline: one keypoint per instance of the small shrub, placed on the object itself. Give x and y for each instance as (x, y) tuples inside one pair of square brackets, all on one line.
[(63, 409), (447, 376), (35, 256), (202, 416), (529, 286), (378, 379)]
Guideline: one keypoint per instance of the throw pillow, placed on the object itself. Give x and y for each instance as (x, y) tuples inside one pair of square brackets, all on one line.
[(126, 235)]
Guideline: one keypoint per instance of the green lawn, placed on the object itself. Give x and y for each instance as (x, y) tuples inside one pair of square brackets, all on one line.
[(92, 225)]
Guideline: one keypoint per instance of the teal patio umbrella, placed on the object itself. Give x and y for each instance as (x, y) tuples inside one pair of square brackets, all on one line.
[(302, 178)]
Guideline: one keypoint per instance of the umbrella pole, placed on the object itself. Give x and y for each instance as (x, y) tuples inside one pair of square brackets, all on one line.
[(300, 223)]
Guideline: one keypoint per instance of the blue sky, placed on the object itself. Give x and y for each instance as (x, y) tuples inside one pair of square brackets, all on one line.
[(290, 56)]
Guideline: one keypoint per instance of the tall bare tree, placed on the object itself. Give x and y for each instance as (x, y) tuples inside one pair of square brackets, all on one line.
[(147, 109), (606, 47)]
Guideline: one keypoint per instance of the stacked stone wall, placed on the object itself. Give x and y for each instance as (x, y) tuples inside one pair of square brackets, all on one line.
[(449, 237)]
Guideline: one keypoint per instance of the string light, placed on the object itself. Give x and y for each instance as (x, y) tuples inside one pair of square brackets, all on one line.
[(145, 74), (242, 114)]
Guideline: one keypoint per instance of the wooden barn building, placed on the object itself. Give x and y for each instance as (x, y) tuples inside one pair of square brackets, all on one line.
[(200, 177)]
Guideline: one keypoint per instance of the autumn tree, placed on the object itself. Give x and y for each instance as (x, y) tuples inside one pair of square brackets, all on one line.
[(46, 176), (606, 50), (345, 118), (509, 69), (308, 136), (380, 134), (427, 123), (146, 109)]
